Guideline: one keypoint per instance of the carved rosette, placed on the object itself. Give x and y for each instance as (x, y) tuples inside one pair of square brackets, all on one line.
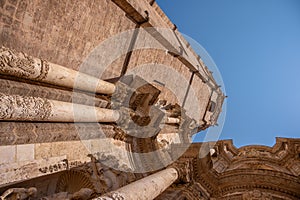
[(112, 196), (21, 65), (15, 107)]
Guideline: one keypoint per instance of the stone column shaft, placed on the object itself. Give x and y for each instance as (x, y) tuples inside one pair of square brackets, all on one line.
[(147, 188), (21, 108), (21, 65)]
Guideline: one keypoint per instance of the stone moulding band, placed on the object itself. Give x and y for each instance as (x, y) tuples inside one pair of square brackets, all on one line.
[(24, 108), (18, 64)]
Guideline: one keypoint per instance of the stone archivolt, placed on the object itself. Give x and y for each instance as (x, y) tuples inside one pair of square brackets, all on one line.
[(251, 182), (258, 167)]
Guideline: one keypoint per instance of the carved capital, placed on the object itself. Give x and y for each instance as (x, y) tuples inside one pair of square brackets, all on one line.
[(125, 117), (21, 65), (184, 169)]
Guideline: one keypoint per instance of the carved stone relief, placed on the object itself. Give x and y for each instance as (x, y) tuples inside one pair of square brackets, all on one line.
[(55, 167), (250, 153), (256, 195), (112, 196), (184, 168), (96, 176), (24, 108), (21, 65)]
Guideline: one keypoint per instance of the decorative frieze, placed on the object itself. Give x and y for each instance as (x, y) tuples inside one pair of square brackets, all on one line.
[(22, 170)]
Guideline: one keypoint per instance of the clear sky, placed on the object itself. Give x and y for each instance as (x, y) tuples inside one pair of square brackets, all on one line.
[(256, 46)]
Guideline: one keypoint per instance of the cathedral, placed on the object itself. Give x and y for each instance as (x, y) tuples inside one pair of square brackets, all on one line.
[(101, 99)]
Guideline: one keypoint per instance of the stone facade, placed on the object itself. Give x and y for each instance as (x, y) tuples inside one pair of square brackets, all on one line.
[(101, 97)]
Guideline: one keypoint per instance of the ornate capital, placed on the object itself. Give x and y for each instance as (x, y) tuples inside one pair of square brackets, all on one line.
[(184, 169)]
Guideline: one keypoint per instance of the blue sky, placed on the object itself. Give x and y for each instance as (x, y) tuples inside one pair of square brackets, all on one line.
[(256, 46)]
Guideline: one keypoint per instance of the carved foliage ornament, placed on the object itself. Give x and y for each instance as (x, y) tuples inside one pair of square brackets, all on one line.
[(256, 195), (15, 107), (21, 65), (112, 196)]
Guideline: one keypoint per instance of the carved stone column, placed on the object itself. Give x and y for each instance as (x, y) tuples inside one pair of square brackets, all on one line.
[(147, 188), (21, 65), (21, 108)]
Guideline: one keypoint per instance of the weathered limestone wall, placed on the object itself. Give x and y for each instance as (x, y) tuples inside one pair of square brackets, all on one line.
[(62, 32), (176, 88), (202, 93), (26, 161)]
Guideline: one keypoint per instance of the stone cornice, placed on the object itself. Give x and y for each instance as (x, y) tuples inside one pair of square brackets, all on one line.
[(277, 157)]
